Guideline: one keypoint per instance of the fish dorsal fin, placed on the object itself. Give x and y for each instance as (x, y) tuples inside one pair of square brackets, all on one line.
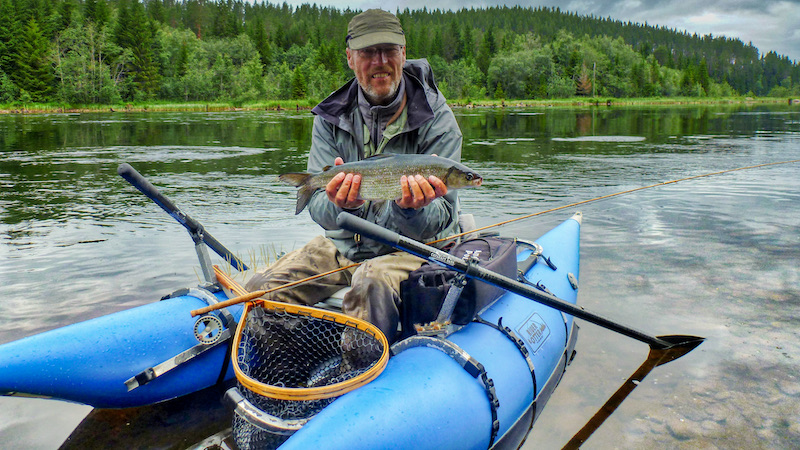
[(326, 168)]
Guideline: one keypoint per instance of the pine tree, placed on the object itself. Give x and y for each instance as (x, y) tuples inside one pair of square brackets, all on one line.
[(9, 31), (96, 11), (499, 94), (34, 73), (702, 74), (259, 37), (299, 84), (486, 51), (64, 16), (134, 32)]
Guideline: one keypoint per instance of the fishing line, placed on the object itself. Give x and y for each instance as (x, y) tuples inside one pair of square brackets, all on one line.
[(256, 294), (616, 194)]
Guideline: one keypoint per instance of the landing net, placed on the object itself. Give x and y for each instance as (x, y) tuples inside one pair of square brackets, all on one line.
[(292, 361)]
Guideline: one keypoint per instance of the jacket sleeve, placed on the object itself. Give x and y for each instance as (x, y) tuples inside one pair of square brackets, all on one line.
[(323, 153), (443, 137)]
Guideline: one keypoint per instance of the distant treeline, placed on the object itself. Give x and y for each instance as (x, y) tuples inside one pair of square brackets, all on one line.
[(112, 51)]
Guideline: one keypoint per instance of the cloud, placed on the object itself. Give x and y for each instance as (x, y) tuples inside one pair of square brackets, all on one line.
[(768, 24)]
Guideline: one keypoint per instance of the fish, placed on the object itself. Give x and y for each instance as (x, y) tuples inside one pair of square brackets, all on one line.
[(380, 176)]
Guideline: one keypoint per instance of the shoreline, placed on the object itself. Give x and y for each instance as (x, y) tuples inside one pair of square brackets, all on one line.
[(459, 103)]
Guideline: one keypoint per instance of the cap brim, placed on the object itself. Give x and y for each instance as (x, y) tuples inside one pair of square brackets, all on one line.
[(381, 37)]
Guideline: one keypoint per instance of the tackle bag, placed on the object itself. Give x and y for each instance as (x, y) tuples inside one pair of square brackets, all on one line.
[(423, 293)]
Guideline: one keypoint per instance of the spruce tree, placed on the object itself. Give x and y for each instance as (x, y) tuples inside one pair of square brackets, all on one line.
[(96, 11), (9, 32), (299, 84), (134, 32), (34, 73)]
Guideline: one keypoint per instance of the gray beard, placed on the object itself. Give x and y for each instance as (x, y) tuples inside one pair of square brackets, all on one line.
[(375, 99)]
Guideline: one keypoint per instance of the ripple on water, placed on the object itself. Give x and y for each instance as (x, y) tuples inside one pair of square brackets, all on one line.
[(600, 139)]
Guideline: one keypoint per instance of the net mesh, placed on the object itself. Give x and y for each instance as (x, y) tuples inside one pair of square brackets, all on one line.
[(248, 436), (292, 361)]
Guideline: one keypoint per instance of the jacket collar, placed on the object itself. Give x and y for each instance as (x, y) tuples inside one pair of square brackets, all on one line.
[(339, 107)]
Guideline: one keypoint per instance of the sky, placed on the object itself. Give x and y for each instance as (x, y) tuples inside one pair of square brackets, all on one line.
[(767, 24)]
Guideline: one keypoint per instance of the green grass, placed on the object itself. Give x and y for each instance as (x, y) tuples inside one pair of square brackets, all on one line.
[(585, 101), (157, 106), (277, 105)]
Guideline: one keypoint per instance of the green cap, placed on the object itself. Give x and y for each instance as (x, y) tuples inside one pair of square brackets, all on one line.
[(373, 27)]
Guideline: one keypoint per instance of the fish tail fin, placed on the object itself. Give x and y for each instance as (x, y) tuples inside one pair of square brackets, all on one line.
[(304, 191)]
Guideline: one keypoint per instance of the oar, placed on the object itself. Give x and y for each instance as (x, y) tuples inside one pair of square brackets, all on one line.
[(679, 345), (663, 349), (194, 227)]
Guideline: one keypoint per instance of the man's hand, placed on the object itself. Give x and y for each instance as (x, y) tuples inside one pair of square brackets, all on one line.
[(343, 189), (419, 192)]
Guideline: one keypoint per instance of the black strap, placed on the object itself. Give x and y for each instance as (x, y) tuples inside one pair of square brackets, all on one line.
[(470, 364), (509, 333), (518, 342)]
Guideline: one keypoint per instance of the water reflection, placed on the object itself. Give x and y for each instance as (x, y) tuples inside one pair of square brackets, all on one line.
[(715, 257)]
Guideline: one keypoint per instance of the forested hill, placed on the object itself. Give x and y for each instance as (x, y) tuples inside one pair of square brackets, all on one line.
[(100, 51)]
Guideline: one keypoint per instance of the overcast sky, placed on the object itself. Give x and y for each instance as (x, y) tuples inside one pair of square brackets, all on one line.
[(768, 24)]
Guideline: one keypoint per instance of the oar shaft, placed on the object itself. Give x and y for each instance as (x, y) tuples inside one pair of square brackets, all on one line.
[(194, 227), (388, 237), (611, 405)]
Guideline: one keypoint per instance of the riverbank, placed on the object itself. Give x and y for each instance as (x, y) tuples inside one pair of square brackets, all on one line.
[(300, 105)]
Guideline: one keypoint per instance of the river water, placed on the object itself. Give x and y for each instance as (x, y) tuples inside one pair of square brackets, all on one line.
[(715, 256)]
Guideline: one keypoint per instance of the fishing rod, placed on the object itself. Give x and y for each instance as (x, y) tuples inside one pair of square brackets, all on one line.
[(256, 294), (616, 194)]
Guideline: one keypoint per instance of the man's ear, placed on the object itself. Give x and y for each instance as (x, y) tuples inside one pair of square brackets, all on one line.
[(350, 58)]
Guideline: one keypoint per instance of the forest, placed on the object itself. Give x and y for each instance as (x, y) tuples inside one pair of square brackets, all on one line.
[(81, 52)]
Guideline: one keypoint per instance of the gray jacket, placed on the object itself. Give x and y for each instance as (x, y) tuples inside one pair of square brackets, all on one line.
[(430, 128)]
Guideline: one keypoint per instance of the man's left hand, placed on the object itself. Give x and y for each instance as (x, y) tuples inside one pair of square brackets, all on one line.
[(419, 192)]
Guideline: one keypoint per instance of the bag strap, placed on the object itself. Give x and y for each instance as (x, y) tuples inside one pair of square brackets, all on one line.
[(456, 287), (449, 304)]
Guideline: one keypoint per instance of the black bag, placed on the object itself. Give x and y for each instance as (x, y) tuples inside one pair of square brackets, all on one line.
[(424, 292)]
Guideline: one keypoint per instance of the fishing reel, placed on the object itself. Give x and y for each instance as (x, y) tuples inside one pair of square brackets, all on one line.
[(208, 329)]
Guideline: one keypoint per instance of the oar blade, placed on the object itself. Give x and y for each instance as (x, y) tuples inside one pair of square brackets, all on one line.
[(680, 345)]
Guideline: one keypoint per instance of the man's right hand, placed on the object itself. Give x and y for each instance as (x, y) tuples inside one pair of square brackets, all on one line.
[(343, 189)]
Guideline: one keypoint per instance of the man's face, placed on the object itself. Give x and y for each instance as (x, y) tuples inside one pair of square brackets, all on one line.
[(378, 70)]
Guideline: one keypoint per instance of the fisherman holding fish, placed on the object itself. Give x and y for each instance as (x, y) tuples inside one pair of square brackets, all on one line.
[(373, 154)]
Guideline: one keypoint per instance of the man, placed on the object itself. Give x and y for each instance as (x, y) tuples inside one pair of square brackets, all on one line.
[(392, 106)]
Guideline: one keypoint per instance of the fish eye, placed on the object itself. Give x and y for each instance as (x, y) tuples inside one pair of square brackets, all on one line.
[(469, 177)]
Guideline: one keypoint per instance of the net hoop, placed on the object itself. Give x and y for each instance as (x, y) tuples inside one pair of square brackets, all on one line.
[(313, 393)]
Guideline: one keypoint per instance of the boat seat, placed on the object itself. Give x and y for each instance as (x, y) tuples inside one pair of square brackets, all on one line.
[(334, 302)]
